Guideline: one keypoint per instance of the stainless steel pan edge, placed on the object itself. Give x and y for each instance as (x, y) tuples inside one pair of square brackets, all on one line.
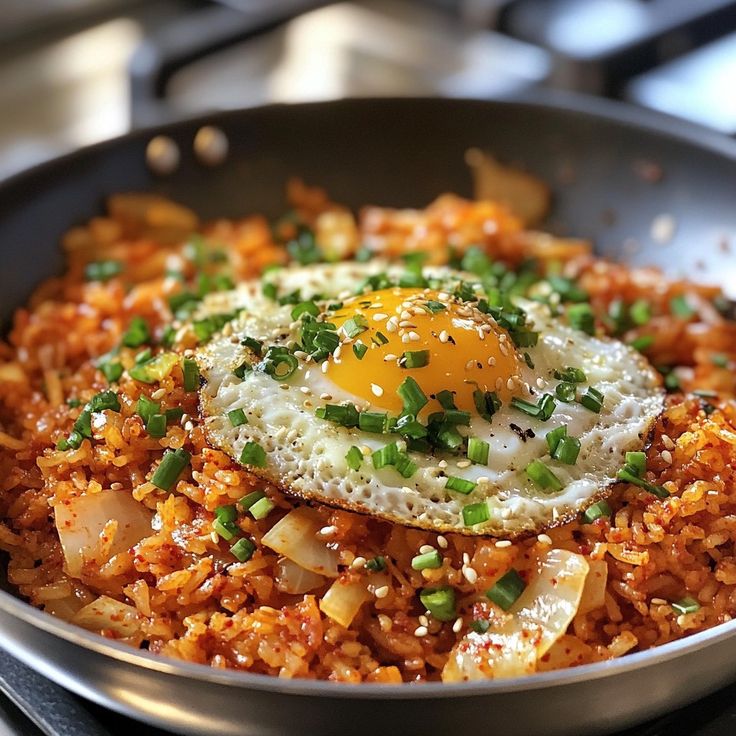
[(604, 139), (195, 699)]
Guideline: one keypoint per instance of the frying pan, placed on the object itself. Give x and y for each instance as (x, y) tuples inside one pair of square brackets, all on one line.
[(392, 152)]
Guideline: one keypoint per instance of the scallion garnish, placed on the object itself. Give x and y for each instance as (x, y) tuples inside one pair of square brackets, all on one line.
[(102, 270), (355, 325), (345, 415), (387, 455), (226, 530), (566, 392), (237, 417), (554, 437), (686, 605), (581, 318), (414, 359), (476, 513), (487, 403), (146, 408), (507, 589), (251, 498), (191, 374), (542, 410), (640, 312), (112, 370), (413, 397), (543, 476), (432, 306), (309, 308), (156, 425), (243, 549), (253, 454), (170, 468), (360, 350), (261, 508), (478, 450), (372, 421), (440, 602), (427, 561), (633, 471), (571, 375), (137, 333), (598, 510), (680, 307), (480, 625), (376, 564), (354, 458), (567, 450), (592, 400), (642, 342), (461, 485), (279, 363), (242, 369), (256, 346)]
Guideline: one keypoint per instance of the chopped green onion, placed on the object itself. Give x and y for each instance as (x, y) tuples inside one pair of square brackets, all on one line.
[(528, 360), (628, 475), (382, 338), (542, 410), (432, 306), (269, 290), (104, 400), (243, 549), (480, 625), (686, 605), (440, 602), (405, 466), (251, 498), (73, 403), (143, 357), (146, 408), (598, 510), (279, 363), (460, 485), (156, 425), (227, 513), (571, 375), (476, 513), (242, 369), (446, 399), (261, 508), (387, 455), (543, 476), (414, 359), (304, 308), (372, 421), (642, 343), (256, 346), (237, 417), (376, 564), (568, 290), (354, 458), (640, 312), (638, 462), (137, 333), (345, 415), (566, 392), (680, 306), (413, 397), (567, 450), (253, 454), (228, 530), (170, 468), (719, 360), (592, 400), (487, 403), (408, 426), (507, 589), (581, 317), (191, 374), (304, 248), (174, 414), (155, 369), (672, 381), (478, 451), (554, 437), (112, 370), (102, 270), (360, 350), (83, 424), (428, 561), (355, 325)]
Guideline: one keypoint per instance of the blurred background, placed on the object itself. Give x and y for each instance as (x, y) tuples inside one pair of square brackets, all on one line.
[(73, 72)]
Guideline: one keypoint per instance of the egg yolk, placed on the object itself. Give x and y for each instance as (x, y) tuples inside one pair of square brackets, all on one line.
[(465, 349)]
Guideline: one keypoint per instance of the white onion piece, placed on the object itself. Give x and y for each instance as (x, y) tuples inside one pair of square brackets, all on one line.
[(80, 520), (295, 537), (107, 614), (536, 621), (343, 601), (291, 578), (594, 591)]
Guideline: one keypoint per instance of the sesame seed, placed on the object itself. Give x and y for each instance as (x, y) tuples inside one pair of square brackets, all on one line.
[(325, 365), (405, 338), (466, 558), (327, 531), (406, 323), (392, 325), (414, 337), (380, 317), (385, 623), (463, 463), (544, 538), (442, 464), (503, 543), (540, 383), (405, 315), (188, 426), (443, 296), (389, 357), (441, 542), (667, 442), (667, 457), (658, 602), (307, 404), (510, 384), (376, 390), (421, 631), (499, 383), (444, 336), (482, 479), (214, 537), (381, 592), (158, 394), (337, 353), (326, 397), (423, 620), (491, 361), (426, 548), (358, 563), (502, 347), (457, 626), (305, 390), (115, 486), (470, 575), (300, 354), (284, 386)]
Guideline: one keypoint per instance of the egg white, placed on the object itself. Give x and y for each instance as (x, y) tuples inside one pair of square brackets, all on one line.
[(306, 454)]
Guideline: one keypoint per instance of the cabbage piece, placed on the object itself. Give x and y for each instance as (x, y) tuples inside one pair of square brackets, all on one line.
[(105, 613), (291, 578), (81, 520), (536, 621), (295, 537), (594, 591), (343, 600)]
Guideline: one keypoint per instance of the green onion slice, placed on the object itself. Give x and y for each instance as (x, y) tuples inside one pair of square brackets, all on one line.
[(543, 476), (461, 485), (507, 589), (237, 417), (440, 602), (476, 513), (170, 468), (428, 561), (598, 510), (253, 454), (478, 451), (243, 549)]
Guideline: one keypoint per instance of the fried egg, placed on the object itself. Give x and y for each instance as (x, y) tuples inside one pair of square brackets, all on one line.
[(414, 401)]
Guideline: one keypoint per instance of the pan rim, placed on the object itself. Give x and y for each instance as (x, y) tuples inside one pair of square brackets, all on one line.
[(616, 113)]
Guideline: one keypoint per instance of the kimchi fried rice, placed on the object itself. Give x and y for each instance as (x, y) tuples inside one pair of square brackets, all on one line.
[(149, 567)]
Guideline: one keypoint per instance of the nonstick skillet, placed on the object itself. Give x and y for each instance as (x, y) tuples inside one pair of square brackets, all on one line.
[(615, 173)]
